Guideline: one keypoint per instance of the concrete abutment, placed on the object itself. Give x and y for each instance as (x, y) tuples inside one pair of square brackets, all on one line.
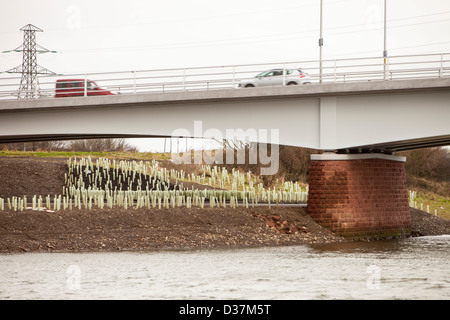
[(361, 196)]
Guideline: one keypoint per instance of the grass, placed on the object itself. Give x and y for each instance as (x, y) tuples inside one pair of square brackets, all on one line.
[(438, 205), (69, 154)]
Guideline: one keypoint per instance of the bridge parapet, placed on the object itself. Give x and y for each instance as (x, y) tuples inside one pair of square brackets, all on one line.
[(210, 78)]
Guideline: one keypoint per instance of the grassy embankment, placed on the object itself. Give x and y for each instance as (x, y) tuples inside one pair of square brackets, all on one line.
[(432, 203), (69, 154)]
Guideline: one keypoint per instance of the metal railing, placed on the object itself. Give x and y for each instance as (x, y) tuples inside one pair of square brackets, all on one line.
[(420, 66)]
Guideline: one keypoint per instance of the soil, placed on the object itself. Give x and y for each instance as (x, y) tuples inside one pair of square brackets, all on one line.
[(152, 229)]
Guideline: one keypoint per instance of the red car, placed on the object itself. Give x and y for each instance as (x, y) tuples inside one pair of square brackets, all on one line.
[(75, 88)]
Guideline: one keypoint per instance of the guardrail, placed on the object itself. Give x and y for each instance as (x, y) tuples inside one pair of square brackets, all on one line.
[(223, 77)]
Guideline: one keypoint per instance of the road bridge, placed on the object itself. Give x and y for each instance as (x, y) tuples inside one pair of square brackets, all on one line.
[(383, 116), (356, 188)]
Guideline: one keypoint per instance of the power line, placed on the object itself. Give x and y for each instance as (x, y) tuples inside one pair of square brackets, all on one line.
[(252, 39), (209, 17)]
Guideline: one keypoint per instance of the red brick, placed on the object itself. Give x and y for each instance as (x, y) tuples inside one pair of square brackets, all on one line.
[(359, 197)]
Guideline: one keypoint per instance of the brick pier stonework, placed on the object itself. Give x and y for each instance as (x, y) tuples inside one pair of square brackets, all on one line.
[(361, 196)]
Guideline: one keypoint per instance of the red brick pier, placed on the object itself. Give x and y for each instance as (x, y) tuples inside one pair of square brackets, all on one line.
[(362, 196)]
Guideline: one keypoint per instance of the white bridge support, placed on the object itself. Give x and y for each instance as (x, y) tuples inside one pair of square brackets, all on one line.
[(383, 116)]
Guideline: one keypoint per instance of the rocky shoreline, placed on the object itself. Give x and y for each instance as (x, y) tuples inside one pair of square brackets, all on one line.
[(178, 228), (155, 229)]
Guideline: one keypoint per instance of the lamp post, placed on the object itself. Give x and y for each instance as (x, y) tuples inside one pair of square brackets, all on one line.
[(320, 44), (385, 54)]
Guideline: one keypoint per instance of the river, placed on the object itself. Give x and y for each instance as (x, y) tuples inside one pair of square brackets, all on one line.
[(412, 268)]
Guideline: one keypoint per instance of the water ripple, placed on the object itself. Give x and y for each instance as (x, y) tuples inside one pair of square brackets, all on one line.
[(414, 268)]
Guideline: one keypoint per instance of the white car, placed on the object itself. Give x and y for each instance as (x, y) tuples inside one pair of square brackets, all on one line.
[(275, 77)]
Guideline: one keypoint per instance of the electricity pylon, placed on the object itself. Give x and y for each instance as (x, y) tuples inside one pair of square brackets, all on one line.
[(29, 84)]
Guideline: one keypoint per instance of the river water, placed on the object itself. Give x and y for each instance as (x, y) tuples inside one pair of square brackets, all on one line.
[(413, 268)]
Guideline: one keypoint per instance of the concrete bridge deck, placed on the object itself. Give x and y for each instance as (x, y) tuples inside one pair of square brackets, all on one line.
[(382, 116)]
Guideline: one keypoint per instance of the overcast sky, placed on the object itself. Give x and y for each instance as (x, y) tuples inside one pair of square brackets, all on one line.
[(113, 35)]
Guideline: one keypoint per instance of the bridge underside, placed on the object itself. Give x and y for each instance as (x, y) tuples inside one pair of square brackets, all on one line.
[(395, 146), (385, 148), (58, 137)]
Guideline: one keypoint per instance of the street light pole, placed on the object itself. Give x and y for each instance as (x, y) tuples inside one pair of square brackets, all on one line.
[(385, 54), (320, 43)]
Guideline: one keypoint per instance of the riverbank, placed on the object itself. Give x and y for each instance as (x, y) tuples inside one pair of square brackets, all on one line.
[(178, 228), (153, 229)]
